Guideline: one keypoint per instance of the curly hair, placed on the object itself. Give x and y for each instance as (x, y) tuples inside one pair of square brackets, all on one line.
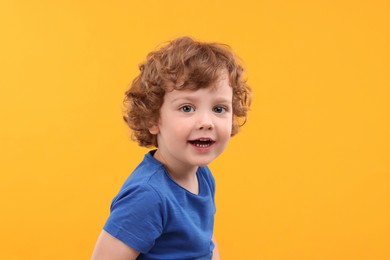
[(181, 64)]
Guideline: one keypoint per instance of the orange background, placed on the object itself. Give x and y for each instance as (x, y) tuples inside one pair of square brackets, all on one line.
[(306, 178)]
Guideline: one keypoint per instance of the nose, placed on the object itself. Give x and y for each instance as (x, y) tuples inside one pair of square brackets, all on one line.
[(205, 122)]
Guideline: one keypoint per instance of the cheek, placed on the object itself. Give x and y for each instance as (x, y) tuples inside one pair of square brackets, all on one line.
[(226, 128), (177, 129)]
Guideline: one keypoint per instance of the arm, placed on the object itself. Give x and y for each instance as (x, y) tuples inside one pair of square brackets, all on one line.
[(215, 251), (110, 248)]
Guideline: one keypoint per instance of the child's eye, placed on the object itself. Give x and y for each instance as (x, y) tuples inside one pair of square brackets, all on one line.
[(219, 109), (187, 108)]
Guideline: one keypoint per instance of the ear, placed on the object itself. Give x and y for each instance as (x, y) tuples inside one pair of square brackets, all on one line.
[(154, 130)]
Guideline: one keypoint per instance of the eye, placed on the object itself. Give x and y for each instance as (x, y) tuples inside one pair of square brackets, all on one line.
[(219, 109), (187, 108)]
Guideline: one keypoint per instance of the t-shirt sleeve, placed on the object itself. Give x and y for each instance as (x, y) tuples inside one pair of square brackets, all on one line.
[(136, 217)]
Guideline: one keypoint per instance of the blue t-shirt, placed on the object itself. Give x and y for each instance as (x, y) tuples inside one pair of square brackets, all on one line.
[(159, 218)]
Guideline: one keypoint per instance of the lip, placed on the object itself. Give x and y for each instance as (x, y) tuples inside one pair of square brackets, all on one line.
[(202, 144)]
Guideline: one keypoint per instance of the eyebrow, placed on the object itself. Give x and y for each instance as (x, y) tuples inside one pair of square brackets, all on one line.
[(224, 100), (183, 98), (194, 99)]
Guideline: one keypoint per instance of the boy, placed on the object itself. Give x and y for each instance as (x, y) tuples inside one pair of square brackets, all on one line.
[(186, 102)]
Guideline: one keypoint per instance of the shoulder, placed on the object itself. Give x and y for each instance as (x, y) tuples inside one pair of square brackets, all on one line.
[(150, 184), (136, 196), (144, 177), (205, 173)]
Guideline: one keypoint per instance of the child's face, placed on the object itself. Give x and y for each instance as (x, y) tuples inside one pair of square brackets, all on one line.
[(195, 125)]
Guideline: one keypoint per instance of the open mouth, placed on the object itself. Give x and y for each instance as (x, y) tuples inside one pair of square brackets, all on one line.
[(202, 142)]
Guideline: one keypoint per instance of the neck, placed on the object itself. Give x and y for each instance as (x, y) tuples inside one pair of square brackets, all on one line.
[(183, 175)]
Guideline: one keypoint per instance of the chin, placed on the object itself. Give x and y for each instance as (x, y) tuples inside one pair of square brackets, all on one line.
[(204, 162)]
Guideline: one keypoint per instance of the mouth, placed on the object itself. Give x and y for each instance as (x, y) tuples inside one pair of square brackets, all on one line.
[(202, 142)]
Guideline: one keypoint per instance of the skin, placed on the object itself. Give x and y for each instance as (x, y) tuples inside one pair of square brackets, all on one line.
[(188, 115), (185, 116), (110, 248)]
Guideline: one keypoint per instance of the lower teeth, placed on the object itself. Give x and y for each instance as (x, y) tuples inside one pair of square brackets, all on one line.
[(201, 145)]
